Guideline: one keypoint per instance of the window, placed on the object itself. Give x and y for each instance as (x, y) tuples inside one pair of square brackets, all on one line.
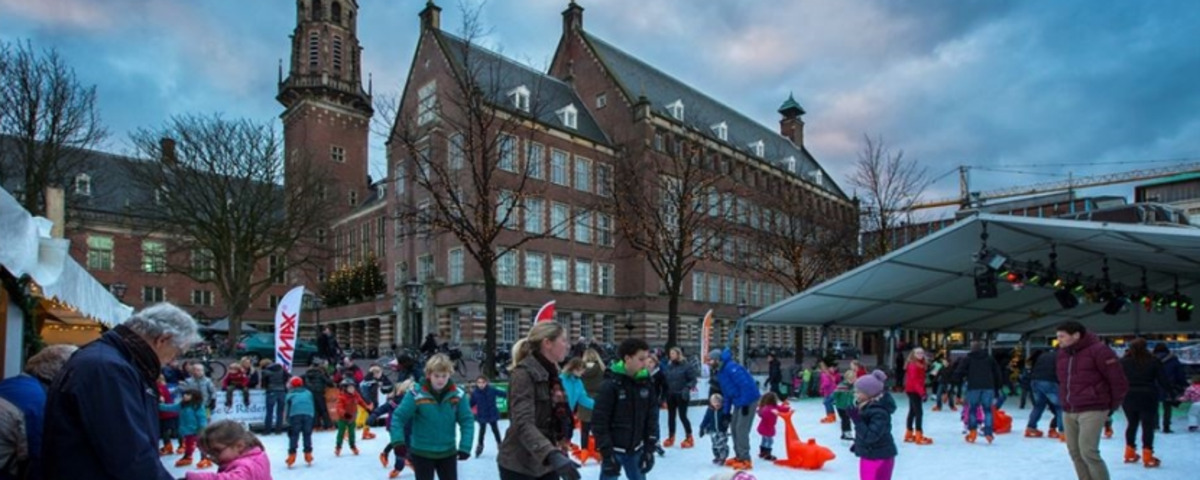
[(100, 253), (568, 115), (608, 275), (321, 274), (427, 103), (721, 130), (425, 270), (454, 266), (790, 164), (335, 14), (757, 148), (583, 227), (727, 293), (508, 152), (520, 98), (337, 154), (273, 302), (603, 180), (203, 264), (585, 326), (506, 267), (352, 198), (337, 52), (558, 273), (583, 276), (321, 236), (558, 219), (754, 297), (558, 167), (154, 257), (533, 160), (508, 325), (314, 45), (610, 324), (202, 297), (658, 141), (535, 270), (698, 286), (275, 268), (714, 288), (454, 152), (583, 174), (505, 205), (153, 295), (401, 178), (535, 208), (601, 100), (322, 192), (604, 235), (676, 109), (83, 185)]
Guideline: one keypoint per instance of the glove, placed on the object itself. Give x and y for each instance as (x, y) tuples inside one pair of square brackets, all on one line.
[(609, 467), (853, 413), (463, 456), (563, 466), (746, 410), (400, 451), (647, 462)]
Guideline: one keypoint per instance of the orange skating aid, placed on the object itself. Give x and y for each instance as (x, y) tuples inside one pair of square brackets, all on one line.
[(806, 455)]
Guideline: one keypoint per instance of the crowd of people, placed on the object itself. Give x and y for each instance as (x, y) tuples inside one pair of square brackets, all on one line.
[(112, 408)]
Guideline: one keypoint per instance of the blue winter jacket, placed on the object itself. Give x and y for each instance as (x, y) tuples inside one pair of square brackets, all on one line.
[(576, 394), (102, 417), (737, 386), (192, 418), (29, 396), (484, 402), (299, 401)]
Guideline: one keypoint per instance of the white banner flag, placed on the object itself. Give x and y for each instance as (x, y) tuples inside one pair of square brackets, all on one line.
[(287, 325)]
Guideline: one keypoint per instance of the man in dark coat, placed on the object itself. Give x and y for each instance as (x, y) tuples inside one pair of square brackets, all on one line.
[(102, 411), (982, 375), (1091, 384), (1176, 380), (774, 374), (317, 381), (327, 346)]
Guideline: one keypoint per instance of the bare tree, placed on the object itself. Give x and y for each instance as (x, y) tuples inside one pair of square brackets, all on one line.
[(460, 150), (891, 185), (663, 212), (803, 240), (218, 193), (51, 118)]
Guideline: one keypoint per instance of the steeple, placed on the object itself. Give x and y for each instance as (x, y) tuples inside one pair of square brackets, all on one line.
[(790, 108), (791, 125)]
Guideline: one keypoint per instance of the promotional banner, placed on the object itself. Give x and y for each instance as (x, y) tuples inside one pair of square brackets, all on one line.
[(287, 325), (704, 335), (545, 314)]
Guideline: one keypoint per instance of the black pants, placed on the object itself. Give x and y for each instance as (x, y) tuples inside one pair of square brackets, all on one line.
[(845, 417), (915, 412), (677, 405), (321, 420), (585, 431), (483, 431), (1148, 419), (424, 468), (506, 474), (1167, 405), (399, 465)]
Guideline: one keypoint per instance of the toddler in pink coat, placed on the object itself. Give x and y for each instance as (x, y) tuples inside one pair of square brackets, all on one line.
[(237, 452), (768, 412)]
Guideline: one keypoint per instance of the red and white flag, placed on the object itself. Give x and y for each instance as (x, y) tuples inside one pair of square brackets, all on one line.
[(287, 325), (545, 314)]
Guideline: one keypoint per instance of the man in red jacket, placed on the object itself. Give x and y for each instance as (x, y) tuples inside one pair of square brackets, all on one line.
[(1091, 383)]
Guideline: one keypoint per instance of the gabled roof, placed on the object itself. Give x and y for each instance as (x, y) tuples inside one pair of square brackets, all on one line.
[(637, 79), (502, 75), (112, 189)]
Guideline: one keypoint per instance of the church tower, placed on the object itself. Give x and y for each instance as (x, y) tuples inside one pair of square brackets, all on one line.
[(327, 114)]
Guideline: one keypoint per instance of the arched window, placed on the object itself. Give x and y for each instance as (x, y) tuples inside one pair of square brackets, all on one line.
[(316, 10), (314, 50), (337, 52), (335, 12)]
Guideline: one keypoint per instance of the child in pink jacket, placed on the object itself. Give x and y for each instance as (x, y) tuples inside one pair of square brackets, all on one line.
[(238, 453), (829, 382), (768, 412)]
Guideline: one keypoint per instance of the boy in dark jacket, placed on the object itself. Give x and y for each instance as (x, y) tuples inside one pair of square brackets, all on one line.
[(983, 378), (872, 415), (483, 400), (625, 421), (317, 381), (716, 422)]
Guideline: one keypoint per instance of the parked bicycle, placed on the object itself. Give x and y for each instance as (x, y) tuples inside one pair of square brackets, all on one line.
[(203, 354)]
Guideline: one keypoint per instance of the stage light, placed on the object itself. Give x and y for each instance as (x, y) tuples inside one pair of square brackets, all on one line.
[(1013, 277), (1059, 283), (1115, 304), (992, 258), (1066, 299), (985, 284)]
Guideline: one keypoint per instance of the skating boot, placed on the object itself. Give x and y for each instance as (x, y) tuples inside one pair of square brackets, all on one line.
[(1034, 433), (687, 442), (394, 474), (731, 462), (204, 463), (383, 459), (936, 409), (848, 436), (367, 435), (743, 465), (972, 435), (669, 442), (921, 440), (183, 462), (479, 450), (989, 438), (1131, 455), (337, 452), (769, 457), (829, 418), (308, 458), (291, 460), (167, 449), (1108, 431), (762, 452), (909, 436), (1149, 460), (354, 449), (1054, 433)]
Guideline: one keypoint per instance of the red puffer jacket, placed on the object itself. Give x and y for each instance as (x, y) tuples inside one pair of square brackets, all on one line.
[(914, 377), (1090, 376)]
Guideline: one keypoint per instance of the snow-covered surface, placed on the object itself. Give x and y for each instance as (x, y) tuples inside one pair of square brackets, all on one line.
[(1011, 457)]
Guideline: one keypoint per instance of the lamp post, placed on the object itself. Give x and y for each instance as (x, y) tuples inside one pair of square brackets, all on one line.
[(413, 290), (118, 290), (629, 326), (739, 331)]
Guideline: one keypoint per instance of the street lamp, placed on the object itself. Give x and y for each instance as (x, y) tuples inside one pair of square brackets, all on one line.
[(740, 330), (413, 290), (118, 290), (629, 323)]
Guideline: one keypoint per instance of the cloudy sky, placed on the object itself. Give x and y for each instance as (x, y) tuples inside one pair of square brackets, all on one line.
[(1023, 91)]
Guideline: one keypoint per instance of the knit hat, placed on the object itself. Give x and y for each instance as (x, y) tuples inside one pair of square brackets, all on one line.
[(296, 382), (871, 385), (714, 355), (739, 475)]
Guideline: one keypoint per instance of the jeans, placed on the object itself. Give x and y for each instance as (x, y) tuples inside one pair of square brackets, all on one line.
[(828, 402), (980, 399), (1083, 443), (274, 421), (630, 464), (767, 442), (297, 425), (1045, 393)]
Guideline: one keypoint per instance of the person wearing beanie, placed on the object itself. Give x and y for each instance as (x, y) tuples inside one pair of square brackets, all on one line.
[(736, 475), (741, 403), (299, 409), (872, 416)]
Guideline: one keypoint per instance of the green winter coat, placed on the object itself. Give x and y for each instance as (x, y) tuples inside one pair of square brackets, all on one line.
[(433, 416), (843, 396)]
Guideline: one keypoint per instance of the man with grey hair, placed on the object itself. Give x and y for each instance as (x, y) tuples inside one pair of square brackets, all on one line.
[(24, 396), (102, 413)]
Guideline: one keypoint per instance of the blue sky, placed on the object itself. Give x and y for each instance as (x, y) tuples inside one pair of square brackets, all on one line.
[(1042, 88)]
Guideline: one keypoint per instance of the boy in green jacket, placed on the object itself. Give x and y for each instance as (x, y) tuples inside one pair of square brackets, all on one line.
[(434, 408)]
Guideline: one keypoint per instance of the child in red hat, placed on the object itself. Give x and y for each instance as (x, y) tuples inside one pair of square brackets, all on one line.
[(298, 406)]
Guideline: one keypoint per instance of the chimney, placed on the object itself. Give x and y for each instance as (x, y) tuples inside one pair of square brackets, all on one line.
[(791, 126), (167, 146), (56, 206), (431, 16), (572, 18)]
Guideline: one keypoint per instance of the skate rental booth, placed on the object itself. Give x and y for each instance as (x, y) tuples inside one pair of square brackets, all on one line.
[(941, 282)]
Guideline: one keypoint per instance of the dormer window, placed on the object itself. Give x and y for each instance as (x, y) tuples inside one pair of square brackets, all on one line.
[(520, 98), (83, 185), (757, 148), (790, 164), (676, 109), (569, 116), (160, 195), (721, 130), (818, 177)]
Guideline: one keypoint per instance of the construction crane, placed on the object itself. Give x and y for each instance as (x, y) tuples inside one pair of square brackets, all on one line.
[(967, 198)]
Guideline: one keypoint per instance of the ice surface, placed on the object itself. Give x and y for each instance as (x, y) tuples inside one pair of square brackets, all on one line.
[(1011, 457)]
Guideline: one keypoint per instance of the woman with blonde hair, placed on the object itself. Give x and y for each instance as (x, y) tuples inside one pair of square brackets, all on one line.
[(914, 387), (681, 379), (530, 448)]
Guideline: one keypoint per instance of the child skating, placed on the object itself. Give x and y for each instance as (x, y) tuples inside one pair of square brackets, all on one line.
[(768, 413), (872, 415), (435, 408), (483, 400), (348, 402), (394, 436), (299, 406), (716, 424), (843, 401), (192, 419)]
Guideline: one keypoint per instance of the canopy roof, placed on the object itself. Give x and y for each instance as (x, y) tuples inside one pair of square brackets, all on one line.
[(930, 284)]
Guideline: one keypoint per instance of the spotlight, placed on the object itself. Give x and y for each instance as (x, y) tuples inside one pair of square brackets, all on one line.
[(985, 284), (1115, 304), (1013, 277), (1183, 314), (992, 258), (1066, 299)]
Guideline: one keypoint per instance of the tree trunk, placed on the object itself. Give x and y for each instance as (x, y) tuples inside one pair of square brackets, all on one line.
[(673, 318), (489, 349)]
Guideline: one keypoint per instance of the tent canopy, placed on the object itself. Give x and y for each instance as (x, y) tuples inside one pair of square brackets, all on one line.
[(222, 326), (930, 284)]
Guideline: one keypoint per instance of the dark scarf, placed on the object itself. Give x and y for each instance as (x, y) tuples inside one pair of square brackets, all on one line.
[(140, 353), (560, 418)]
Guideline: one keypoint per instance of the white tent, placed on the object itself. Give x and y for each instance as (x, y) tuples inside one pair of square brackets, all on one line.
[(930, 284)]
